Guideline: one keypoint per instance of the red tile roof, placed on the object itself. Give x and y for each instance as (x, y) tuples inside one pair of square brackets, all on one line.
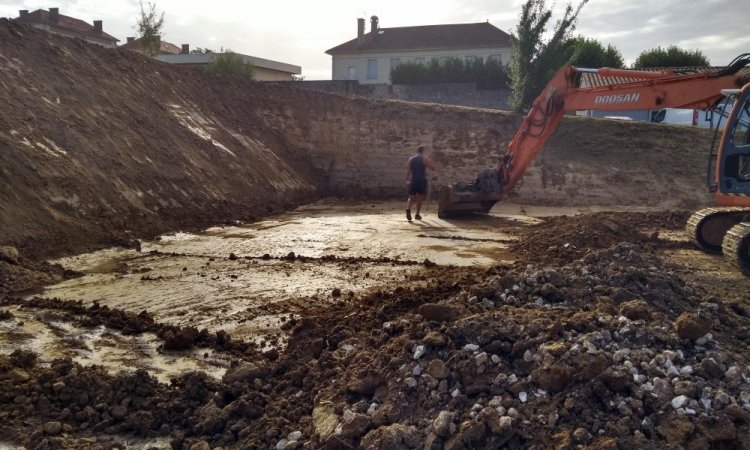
[(165, 48), (428, 37), (64, 22)]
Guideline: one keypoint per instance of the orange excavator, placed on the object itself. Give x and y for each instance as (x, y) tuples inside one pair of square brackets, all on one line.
[(725, 228)]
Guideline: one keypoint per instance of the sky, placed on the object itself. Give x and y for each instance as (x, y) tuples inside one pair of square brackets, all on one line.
[(300, 31)]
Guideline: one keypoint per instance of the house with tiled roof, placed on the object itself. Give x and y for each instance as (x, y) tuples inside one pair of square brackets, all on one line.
[(54, 22), (370, 57), (164, 47)]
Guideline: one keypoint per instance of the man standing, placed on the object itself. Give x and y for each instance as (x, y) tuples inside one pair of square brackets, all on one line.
[(416, 179)]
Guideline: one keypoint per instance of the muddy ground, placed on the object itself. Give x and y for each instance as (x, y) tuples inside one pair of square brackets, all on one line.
[(524, 329), (338, 324)]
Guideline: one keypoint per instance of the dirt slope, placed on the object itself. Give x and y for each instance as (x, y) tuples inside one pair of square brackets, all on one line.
[(101, 146)]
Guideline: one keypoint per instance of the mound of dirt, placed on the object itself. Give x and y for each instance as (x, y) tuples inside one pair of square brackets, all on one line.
[(564, 239)]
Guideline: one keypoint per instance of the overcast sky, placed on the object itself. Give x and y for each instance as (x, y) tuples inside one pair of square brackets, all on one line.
[(300, 31)]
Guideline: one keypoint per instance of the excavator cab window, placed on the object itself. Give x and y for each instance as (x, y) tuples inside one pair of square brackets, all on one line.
[(737, 163)]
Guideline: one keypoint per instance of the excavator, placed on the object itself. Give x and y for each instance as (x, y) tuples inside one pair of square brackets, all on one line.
[(721, 229)]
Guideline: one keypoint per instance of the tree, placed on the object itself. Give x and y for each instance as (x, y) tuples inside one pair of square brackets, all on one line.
[(671, 56), (591, 53), (201, 51), (534, 61), (230, 63), (149, 27)]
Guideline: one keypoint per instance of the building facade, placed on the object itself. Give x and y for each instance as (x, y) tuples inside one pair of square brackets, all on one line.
[(54, 22), (265, 69), (370, 57)]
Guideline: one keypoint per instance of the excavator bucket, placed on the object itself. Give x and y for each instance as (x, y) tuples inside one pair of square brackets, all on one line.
[(463, 199)]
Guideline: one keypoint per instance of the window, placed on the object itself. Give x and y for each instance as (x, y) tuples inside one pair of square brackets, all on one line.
[(419, 60), (372, 69), (395, 62), (444, 59), (471, 59), (741, 133), (496, 57), (352, 73)]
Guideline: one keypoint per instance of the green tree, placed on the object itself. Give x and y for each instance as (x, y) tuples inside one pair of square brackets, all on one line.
[(149, 26), (201, 51), (535, 61), (230, 63), (671, 56), (591, 53)]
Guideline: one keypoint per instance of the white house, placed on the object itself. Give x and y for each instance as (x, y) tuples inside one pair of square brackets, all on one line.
[(369, 57)]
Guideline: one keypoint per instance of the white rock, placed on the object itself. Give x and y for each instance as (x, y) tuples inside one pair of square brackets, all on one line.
[(411, 382), (501, 410), (481, 359), (673, 371), (512, 378), (387, 325), (455, 393), (513, 412), (419, 351), (281, 444), (528, 356), (417, 371), (471, 347), (686, 370), (373, 407), (523, 396), (348, 415), (488, 303), (339, 430), (679, 401), (294, 436), (706, 402), (495, 402), (495, 359), (689, 411), (473, 299)]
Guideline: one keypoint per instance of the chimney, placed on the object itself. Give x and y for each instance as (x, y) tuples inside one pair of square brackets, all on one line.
[(98, 26), (23, 12), (185, 49), (131, 39), (54, 14), (360, 27), (373, 24)]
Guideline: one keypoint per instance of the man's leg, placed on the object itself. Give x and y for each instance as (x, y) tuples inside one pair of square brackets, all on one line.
[(419, 205), (408, 207)]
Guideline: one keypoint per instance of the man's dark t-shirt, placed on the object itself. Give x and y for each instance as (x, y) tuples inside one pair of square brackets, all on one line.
[(418, 183)]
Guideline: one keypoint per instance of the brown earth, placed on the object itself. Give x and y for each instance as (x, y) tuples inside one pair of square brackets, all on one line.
[(591, 338)]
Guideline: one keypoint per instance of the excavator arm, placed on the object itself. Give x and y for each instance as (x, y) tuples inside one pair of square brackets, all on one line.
[(628, 90)]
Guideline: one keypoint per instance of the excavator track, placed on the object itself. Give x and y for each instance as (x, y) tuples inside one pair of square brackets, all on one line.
[(708, 226), (737, 246)]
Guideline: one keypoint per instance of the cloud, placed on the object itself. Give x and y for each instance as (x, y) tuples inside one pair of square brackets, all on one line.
[(300, 31)]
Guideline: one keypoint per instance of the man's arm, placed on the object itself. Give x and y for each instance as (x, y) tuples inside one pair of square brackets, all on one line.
[(408, 171), (430, 164)]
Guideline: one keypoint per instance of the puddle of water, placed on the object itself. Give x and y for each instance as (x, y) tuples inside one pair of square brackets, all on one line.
[(51, 336)]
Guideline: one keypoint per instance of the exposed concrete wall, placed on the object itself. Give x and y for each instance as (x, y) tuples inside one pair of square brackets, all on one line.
[(461, 94)]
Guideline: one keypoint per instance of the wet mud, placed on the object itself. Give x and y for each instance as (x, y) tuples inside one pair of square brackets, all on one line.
[(610, 341)]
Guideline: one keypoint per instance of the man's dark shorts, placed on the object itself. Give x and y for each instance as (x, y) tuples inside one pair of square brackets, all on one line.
[(418, 187)]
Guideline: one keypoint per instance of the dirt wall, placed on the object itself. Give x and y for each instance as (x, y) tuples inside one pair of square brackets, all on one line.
[(101, 146)]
